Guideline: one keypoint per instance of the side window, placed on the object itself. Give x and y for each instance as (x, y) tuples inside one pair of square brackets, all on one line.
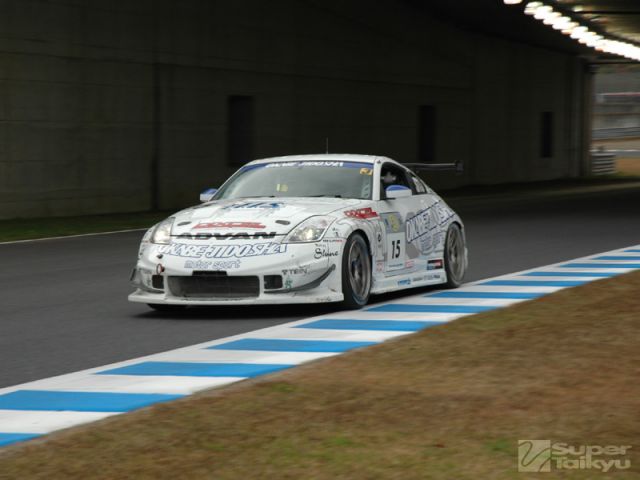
[(393, 175), (419, 186)]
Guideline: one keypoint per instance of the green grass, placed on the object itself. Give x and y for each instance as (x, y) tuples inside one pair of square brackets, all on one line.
[(447, 402), (24, 229)]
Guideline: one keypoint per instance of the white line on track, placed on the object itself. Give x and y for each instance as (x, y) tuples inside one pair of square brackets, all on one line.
[(74, 236)]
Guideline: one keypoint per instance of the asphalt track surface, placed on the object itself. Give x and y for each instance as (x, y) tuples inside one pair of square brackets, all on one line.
[(63, 302)]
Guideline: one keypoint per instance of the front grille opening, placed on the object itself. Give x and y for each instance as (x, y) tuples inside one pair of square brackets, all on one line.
[(210, 273), (272, 282), (214, 285), (157, 282)]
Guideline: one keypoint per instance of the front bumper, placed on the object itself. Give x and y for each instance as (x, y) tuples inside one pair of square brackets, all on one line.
[(291, 273)]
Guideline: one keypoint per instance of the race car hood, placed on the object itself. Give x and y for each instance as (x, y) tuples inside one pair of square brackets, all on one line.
[(255, 215)]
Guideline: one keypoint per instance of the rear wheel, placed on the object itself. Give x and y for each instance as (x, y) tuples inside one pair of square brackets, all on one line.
[(454, 256), (356, 272), (163, 307)]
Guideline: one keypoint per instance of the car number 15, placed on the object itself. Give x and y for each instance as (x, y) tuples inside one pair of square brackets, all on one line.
[(395, 251)]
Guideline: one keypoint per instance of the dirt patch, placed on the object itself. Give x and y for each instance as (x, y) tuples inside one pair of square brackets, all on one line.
[(628, 166)]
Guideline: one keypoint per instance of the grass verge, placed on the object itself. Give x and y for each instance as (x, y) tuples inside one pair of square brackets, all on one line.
[(30, 228), (447, 402)]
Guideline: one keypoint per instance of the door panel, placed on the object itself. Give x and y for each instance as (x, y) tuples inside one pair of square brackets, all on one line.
[(394, 213)]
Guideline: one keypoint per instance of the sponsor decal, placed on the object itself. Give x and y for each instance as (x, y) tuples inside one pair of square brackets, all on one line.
[(366, 171), (435, 264), (304, 164), (362, 213), (420, 224), (223, 251), (228, 236), (323, 251), (288, 283), (392, 222), (424, 224), (410, 264), (230, 225), (316, 163), (211, 264), (406, 281), (380, 266), (256, 205), (332, 240), (418, 279), (303, 270)]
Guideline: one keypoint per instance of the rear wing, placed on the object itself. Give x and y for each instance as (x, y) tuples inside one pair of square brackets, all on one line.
[(435, 167)]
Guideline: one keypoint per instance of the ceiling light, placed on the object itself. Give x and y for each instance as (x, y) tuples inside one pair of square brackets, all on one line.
[(579, 31), (561, 23), (568, 30), (531, 7), (552, 17), (542, 12), (568, 26)]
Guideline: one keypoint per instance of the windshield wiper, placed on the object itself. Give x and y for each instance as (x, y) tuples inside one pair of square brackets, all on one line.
[(337, 195)]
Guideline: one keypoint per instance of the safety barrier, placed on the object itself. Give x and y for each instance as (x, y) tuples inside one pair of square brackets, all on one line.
[(603, 163)]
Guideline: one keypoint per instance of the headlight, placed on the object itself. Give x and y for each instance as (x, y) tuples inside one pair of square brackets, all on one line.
[(162, 232), (311, 230)]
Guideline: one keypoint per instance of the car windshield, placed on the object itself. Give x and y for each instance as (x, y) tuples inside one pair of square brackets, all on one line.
[(300, 179)]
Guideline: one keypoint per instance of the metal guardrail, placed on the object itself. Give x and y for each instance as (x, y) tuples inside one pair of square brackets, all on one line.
[(603, 163)]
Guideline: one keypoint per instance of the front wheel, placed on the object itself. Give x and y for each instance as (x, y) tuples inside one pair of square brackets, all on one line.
[(455, 259), (356, 272)]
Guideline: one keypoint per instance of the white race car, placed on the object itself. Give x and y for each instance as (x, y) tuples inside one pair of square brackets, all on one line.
[(303, 229)]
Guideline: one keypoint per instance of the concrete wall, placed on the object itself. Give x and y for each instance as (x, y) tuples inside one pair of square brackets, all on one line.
[(102, 100)]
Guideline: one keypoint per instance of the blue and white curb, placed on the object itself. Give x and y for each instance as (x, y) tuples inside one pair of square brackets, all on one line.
[(43, 406)]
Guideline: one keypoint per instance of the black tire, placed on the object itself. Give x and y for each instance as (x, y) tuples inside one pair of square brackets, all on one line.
[(164, 308), (454, 256), (356, 272)]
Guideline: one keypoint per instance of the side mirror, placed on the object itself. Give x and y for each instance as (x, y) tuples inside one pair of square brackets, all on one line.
[(397, 191), (208, 194)]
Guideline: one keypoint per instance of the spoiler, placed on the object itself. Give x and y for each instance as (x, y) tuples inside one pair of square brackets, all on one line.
[(435, 167)]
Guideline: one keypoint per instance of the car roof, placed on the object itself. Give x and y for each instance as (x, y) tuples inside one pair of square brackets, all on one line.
[(331, 157)]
